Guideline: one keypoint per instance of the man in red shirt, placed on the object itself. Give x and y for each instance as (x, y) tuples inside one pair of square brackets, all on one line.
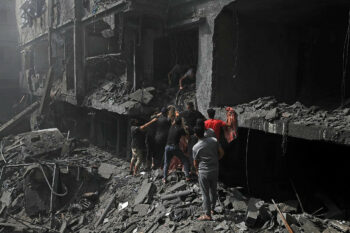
[(214, 123)]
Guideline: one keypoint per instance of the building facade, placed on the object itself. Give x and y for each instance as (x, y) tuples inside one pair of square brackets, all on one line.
[(9, 57), (103, 52)]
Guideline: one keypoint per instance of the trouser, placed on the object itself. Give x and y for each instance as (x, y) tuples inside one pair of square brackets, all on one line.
[(208, 185), (191, 142), (169, 152), (137, 158), (158, 154)]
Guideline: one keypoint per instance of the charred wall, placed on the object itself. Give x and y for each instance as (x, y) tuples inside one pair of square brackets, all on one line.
[(277, 49)]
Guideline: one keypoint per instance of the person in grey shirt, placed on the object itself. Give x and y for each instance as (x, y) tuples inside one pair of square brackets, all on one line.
[(206, 154)]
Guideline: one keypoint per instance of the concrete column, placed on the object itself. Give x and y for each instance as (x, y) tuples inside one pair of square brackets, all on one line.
[(78, 38)]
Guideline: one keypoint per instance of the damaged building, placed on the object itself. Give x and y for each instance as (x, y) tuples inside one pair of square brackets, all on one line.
[(9, 60), (90, 66)]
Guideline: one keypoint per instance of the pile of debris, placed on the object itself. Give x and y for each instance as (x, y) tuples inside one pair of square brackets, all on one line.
[(269, 109), (116, 96), (53, 183)]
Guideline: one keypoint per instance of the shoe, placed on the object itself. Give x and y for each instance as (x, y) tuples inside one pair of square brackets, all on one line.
[(164, 180)]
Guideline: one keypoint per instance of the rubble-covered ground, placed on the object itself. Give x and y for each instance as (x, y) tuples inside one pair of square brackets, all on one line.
[(53, 183), (270, 109)]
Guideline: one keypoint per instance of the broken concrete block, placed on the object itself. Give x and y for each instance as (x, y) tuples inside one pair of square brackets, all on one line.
[(175, 195), (331, 230), (41, 143), (223, 226), (295, 228), (289, 206), (6, 198), (106, 170), (340, 226), (141, 96), (272, 114), (141, 209), (228, 203), (253, 211), (145, 193), (108, 86), (289, 218), (239, 205), (308, 226), (177, 187), (36, 191)]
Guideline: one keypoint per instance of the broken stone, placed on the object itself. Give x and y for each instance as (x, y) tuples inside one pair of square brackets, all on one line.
[(141, 96), (141, 209), (239, 205), (145, 193), (6, 198), (253, 211), (330, 230), (36, 191), (340, 226), (295, 228), (272, 114), (308, 226), (175, 195), (289, 206), (223, 226), (107, 170), (289, 218), (122, 206), (177, 187), (42, 143), (108, 86), (227, 203)]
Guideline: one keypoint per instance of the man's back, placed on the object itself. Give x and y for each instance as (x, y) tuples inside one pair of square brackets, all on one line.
[(215, 125), (191, 116), (162, 129), (206, 153), (175, 134)]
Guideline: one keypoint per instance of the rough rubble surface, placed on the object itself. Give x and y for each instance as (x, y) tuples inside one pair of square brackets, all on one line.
[(270, 109), (81, 188)]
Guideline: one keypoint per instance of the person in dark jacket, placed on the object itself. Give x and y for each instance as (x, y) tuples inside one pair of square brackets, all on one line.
[(138, 144), (172, 148), (162, 127)]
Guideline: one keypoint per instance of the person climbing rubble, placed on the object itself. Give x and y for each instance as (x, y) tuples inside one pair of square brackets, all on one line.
[(206, 154), (176, 73), (172, 148), (214, 124), (190, 116), (138, 144), (162, 127)]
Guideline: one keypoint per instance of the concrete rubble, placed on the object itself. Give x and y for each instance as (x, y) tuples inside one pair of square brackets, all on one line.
[(90, 190), (269, 109)]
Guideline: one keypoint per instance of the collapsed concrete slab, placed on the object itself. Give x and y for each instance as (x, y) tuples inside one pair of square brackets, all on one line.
[(7, 128)]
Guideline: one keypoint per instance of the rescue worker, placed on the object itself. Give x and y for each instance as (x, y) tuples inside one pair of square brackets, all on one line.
[(175, 74), (214, 124), (206, 154), (162, 127), (190, 115), (138, 145), (172, 148)]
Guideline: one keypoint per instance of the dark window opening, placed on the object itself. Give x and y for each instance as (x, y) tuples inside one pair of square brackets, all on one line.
[(177, 48), (292, 50)]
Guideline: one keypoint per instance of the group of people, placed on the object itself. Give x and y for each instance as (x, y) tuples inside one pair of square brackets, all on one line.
[(188, 136)]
